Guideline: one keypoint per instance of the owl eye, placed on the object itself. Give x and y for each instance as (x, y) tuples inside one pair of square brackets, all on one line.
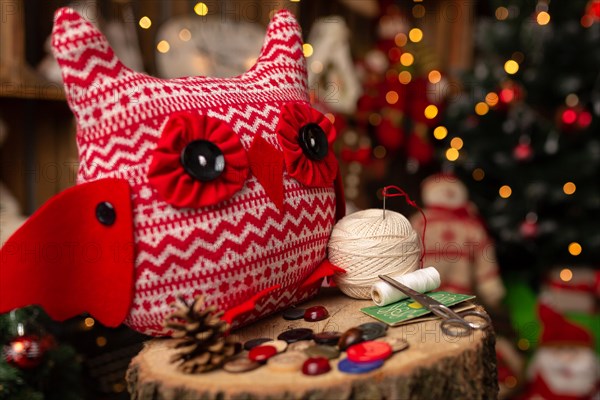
[(305, 136), (203, 160), (313, 141), (199, 161)]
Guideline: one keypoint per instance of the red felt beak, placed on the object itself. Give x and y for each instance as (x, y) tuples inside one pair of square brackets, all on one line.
[(74, 255), (267, 166)]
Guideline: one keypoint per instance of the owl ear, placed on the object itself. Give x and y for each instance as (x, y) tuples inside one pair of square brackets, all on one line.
[(85, 58), (283, 45)]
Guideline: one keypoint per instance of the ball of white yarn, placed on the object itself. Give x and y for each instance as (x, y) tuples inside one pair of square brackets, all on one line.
[(366, 245)]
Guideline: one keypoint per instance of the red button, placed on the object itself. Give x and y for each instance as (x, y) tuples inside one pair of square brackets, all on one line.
[(316, 366), (316, 313), (369, 351), (262, 353)]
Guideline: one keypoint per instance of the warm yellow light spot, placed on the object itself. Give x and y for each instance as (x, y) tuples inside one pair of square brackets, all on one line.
[(481, 108), (404, 77), (201, 9), (511, 67), (491, 99), (400, 39), (89, 322), (523, 344), (407, 59), (415, 305), (569, 188), (101, 341), (375, 119), (185, 35), (415, 35), (572, 100), (392, 97), (431, 111), (316, 67), (434, 76), (478, 174), (379, 152), (145, 22), (505, 191), (418, 11), (18, 347), (566, 275), (330, 117), (307, 49), (163, 46), (510, 382), (295, 1), (575, 249), (501, 13), (543, 18), (440, 132), (452, 154), (456, 143)]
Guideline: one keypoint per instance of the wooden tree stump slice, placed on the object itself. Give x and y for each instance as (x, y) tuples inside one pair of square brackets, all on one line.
[(435, 366)]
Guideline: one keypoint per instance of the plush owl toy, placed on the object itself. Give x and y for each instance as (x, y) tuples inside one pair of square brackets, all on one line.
[(220, 187)]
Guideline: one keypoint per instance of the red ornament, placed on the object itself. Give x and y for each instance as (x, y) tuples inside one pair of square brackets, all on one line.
[(574, 119), (25, 351), (529, 229), (523, 152), (584, 119), (510, 92), (593, 10)]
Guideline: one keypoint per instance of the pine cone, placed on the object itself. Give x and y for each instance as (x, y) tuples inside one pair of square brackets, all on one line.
[(199, 335)]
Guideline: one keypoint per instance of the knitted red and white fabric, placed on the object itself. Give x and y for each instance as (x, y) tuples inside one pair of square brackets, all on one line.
[(256, 229)]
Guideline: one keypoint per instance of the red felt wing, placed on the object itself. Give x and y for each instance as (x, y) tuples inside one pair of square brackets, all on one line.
[(65, 260), (324, 269), (246, 306)]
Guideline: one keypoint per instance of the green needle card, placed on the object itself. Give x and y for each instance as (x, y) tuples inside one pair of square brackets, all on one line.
[(397, 313)]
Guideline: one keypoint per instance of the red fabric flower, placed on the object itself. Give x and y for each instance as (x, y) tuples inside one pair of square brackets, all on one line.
[(309, 171), (168, 175)]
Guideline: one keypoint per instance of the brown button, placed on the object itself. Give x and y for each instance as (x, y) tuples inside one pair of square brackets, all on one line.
[(252, 343), (330, 338), (293, 313), (295, 335), (290, 361), (350, 337)]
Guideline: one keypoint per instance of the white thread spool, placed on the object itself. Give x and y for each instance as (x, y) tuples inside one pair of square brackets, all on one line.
[(366, 245), (422, 281)]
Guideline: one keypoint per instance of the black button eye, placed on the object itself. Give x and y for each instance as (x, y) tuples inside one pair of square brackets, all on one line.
[(203, 160), (313, 141), (105, 213)]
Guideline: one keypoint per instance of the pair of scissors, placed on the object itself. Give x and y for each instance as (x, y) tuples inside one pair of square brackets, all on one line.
[(452, 323)]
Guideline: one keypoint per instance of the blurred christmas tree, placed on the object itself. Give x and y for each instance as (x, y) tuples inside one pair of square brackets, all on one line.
[(525, 134), (33, 364)]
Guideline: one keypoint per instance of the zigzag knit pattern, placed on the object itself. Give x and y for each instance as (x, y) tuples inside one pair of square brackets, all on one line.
[(230, 251)]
